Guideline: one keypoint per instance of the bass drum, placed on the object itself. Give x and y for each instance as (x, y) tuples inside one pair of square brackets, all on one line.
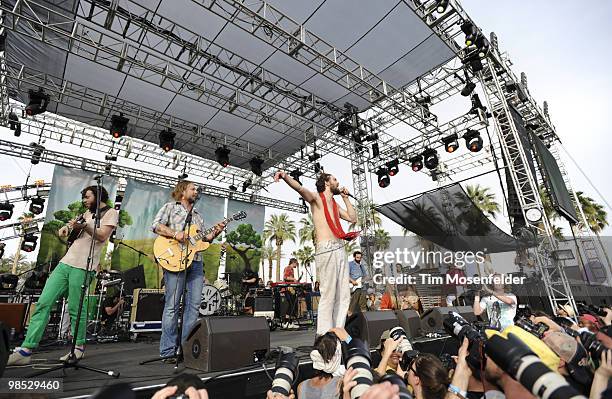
[(223, 288), (211, 300)]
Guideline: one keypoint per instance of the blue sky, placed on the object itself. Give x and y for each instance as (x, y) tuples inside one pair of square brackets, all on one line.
[(564, 48)]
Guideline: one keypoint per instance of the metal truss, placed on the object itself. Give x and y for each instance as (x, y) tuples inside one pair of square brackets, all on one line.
[(4, 97), (72, 161), (42, 190), (553, 273)]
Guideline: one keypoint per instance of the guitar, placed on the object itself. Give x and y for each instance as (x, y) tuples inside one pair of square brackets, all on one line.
[(75, 234), (170, 254), (355, 286)]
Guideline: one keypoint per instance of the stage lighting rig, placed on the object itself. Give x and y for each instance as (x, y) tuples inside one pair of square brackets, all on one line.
[(375, 150), (469, 85), (450, 143), (29, 242), (372, 137), (471, 32), (430, 158), (473, 141), (6, 211), (246, 184), (318, 168), (483, 46), (476, 104), (442, 6), (111, 157), (393, 167), (383, 177), (232, 186), (38, 103), (256, 165), (2, 246), (416, 163), (424, 101), (166, 140), (14, 123), (37, 205), (36, 153), (344, 128), (118, 125), (314, 156), (296, 174), (222, 156)]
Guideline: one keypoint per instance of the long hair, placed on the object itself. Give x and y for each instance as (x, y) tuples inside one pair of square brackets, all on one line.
[(180, 187), (326, 345), (94, 190), (321, 180), (433, 375)]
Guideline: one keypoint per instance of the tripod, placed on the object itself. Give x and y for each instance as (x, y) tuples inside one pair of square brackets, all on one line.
[(178, 355), (72, 361)]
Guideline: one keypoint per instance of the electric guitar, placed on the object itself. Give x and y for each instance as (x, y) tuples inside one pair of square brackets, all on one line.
[(170, 254), (357, 285)]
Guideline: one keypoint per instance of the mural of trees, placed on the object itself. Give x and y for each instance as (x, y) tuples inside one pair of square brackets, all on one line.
[(245, 241)]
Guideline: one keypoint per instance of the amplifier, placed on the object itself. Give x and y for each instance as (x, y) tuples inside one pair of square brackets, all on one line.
[(147, 309)]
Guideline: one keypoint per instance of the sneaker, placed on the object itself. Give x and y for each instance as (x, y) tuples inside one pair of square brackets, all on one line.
[(19, 358), (78, 353)]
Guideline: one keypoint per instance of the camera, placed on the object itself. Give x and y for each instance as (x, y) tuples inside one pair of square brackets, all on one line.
[(516, 359), (460, 328), (286, 372), (407, 359), (397, 380), (356, 354), (535, 329), (592, 344), (397, 333)]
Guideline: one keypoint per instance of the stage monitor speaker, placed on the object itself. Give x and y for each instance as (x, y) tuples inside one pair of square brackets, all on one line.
[(148, 305), (432, 320), (410, 322), (264, 303), (369, 326), (225, 343)]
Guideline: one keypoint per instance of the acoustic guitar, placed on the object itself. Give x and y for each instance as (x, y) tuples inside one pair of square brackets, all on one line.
[(170, 254)]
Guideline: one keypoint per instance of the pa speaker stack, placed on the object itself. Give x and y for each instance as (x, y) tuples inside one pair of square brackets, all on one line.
[(432, 320)]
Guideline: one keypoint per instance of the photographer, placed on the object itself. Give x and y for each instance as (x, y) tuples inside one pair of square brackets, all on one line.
[(601, 382), (427, 377), (390, 357), (499, 305), (188, 385), (573, 364)]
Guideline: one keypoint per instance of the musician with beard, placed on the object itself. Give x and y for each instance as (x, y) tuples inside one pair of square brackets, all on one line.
[(69, 274)]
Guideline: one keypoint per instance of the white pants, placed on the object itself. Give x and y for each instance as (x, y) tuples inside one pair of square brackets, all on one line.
[(333, 276)]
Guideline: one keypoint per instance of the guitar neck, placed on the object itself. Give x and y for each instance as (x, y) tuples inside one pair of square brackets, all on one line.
[(206, 232)]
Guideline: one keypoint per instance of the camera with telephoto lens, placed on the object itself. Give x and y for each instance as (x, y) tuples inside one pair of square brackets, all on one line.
[(592, 344), (516, 358), (598, 310), (356, 354), (397, 380), (460, 328), (397, 333), (536, 329), (407, 359), (286, 372)]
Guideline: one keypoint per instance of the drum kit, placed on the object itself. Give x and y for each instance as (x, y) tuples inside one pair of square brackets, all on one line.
[(218, 299), (109, 283)]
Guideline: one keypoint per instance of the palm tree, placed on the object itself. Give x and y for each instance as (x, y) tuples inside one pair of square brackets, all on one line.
[(351, 247), (19, 262), (267, 253), (305, 256), (596, 218), (483, 199), (279, 228), (382, 240), (307, 232), (366, 211)]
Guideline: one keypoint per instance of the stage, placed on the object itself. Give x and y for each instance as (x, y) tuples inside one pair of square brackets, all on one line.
[(124, 358)]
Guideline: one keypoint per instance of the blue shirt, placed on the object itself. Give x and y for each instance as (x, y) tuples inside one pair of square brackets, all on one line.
[(357, 270)]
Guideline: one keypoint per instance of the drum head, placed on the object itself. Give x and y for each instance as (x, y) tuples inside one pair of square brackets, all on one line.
[(223, 288), (211, 300)]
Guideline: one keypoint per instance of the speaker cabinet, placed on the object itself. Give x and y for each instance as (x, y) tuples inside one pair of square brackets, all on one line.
[(369, 326), (410, 322), (432, 320), (225, 343)]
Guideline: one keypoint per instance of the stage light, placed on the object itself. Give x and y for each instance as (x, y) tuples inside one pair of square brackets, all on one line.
[(29, 243), (393, 167), (468, 88), (471, 32), (314, 156), (450, 143), (441, 6), (483, 46), (473, 141), (166, 139), (246, 184), (383, 177), (416, 163), (36, 153), (256, 164), (110, 157), (372, 137), (39, 101), (296, 174), (118, 125), (183, 176), (344, 128), (222, 155), (6, 211), (476, 104), (37, 205), (14, 123), (2, 245), (318, 168), (375, 150), (430, 158)]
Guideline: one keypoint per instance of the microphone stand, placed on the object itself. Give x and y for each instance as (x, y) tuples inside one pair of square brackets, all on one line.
[(72, 361)]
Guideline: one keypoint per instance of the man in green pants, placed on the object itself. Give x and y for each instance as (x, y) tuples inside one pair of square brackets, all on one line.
[(68, 275)]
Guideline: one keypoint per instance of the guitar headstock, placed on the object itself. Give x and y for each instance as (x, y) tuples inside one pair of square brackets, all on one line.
[(239, 215)]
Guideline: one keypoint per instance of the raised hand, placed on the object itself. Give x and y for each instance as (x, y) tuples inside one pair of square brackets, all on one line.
[(279, 175)]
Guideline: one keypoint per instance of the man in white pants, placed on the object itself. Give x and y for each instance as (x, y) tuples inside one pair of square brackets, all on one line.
[(330, 257)]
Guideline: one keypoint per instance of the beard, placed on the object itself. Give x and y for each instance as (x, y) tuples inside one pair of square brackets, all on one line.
[(336, 190)]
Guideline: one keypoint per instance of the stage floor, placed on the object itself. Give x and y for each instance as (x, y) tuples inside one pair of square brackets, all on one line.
[(124, 358)]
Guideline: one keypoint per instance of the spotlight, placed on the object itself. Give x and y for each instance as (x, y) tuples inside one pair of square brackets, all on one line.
[(383, 177), (318, 168), (471, 32), (344, 128), (450, 143), (183, 176), (29, 243), (256, 164), (393, 167), (39, 101), (441, 6), (473, 141), (118, 125), (430, 157), (483, 46), (107, 168), (36, 153), (314, 156), (37, 205), (372, 137), (166, 139), (476, 104), (468, 89), (296, 174), (245, 185), (232, 187), (476, 65), (111, 157), (14, 123), (2, 245), (222, 155), (375, 150), (416, 163), (6, 211)]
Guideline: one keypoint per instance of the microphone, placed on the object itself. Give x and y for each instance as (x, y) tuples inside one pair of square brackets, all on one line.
[(351, 195)]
